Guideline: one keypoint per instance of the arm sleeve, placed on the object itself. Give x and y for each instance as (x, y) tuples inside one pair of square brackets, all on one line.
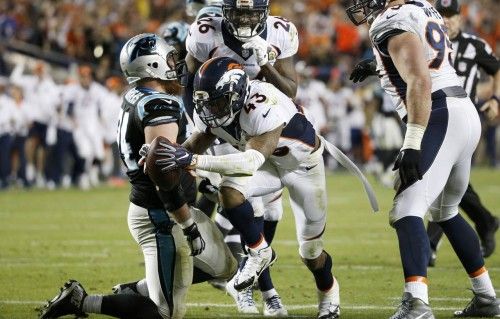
[(238, 164), (486, 59)]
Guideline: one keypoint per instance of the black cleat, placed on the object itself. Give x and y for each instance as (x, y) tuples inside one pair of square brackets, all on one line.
[(69, 301), (487, 238), (481, 306)]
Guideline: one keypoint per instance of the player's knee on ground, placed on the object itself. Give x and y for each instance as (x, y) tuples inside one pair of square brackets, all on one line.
[(231, 197)]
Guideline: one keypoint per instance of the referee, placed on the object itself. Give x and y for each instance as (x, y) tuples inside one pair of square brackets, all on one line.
[(471, 53)]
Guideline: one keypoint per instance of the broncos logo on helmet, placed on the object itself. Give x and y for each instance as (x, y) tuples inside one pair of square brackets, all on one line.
[(220, 91), (245, 18)]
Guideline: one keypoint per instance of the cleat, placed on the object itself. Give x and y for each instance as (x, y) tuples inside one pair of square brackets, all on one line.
[(258, 261), (432, 258), (480, 306), (487, 238), (243, 299), (329, 302), (129, 288), (412, 308), (69, 301), (274, 308)]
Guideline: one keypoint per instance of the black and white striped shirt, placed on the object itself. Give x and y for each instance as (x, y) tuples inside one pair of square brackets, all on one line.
[(469, 54)]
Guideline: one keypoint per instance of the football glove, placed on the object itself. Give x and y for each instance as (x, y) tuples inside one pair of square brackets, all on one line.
[(194, 239), (408, 164), (260, 48), (172, 157), (143, 152), (209, 190), (363, 69)]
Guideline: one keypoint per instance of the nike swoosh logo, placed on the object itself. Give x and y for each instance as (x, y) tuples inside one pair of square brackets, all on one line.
[(308, 168), (182, 157), (388, 17), (265, 114)]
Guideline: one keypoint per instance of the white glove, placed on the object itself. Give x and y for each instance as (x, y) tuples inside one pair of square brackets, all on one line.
[(260, 47)]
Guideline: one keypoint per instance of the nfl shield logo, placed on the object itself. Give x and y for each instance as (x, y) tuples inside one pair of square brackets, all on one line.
[(445, 3), (245, 53)]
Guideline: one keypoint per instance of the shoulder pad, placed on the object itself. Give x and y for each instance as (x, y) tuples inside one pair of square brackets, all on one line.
[(159, 102)]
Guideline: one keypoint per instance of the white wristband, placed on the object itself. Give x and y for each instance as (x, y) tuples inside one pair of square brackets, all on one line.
[(413, 136), (188, 222)]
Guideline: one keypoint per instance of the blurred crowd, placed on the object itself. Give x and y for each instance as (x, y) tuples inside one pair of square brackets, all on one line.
[(57, 123)]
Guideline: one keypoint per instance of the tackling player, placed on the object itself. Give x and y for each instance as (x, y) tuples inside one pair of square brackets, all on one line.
[(265, 46), (152, 107), (412, 56), (278, 147)]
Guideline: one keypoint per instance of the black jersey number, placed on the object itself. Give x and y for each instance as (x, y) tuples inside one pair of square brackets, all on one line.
[(284, 23), (123, 145), (436, 37), (204, 26)]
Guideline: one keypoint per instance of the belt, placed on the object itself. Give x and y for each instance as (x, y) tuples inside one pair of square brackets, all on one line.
[(450, 91)]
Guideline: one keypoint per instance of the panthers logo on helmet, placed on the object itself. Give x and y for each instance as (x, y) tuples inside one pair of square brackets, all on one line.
[(144, 46)]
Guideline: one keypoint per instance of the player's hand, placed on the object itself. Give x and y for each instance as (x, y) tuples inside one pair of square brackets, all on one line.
[(490, 109), (172, 157), (194, 239), (143, 152), (408, 164), (363, 69), (260, 48)]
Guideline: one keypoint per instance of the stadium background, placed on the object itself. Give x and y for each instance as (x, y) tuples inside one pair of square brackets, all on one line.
[(49, 236)]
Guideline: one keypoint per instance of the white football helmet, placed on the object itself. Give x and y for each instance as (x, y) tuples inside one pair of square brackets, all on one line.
[(147, 55)]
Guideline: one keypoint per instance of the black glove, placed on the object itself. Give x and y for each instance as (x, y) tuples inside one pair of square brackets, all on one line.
[(408, 163), (194, 239), (363, 69), (172, 157), (206, 187)]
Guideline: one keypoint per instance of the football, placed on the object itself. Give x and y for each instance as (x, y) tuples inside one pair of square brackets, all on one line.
[(164, 180)]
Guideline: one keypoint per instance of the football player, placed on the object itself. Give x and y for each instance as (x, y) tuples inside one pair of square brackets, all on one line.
[(412, 53), (265, 46), (278, 147), (152, 107)]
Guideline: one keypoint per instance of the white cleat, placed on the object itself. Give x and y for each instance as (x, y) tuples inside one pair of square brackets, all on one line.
[(243, 299), (257, 262), (274, 308), (329, 302)]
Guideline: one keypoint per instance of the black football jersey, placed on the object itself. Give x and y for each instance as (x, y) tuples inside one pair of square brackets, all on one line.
[(143, 107)]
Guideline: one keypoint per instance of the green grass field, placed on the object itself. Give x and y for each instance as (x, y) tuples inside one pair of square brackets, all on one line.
[(48, 237)]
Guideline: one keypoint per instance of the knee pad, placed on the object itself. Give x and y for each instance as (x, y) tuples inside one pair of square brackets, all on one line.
[(273, 204), (311, 249), (257, 205)]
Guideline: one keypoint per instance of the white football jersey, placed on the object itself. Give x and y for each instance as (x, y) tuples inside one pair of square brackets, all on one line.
[(208, 38), (423, 20), (266, 109)]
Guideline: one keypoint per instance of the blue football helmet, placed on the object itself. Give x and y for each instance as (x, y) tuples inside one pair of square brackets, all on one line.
[(245, 18), (220, 90), (363, 11)]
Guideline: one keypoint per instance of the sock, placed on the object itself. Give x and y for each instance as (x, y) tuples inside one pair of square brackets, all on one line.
[(270, 230), (92, 304), (323, 276), (243, 220), (413, 246), (481, 282), (434, 232), (465, 242), (142, 287), (417, 286), (265, 281), (129, 307), (268, 293)]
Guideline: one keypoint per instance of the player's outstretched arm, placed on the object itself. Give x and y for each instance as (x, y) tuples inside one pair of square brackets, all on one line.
[(407, 53)]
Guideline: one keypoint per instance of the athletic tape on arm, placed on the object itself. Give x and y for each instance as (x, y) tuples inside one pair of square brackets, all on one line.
[(238, 164), (347, 163)]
